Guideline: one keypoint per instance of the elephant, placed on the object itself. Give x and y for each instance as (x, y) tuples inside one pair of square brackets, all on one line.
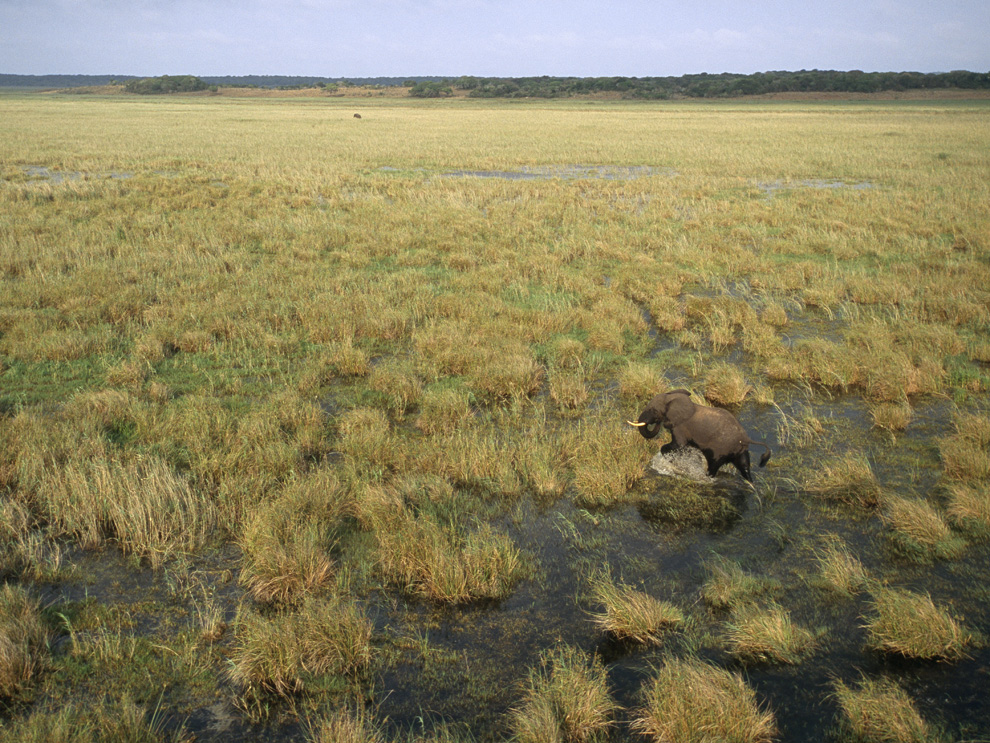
[(716, 432)]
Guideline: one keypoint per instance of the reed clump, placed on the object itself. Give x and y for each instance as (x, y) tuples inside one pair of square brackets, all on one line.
[(919, 532), (447, 563), (726, 386), (288, 541), (910, 624), (969, 507), (841, 571), (728, 586), (345, 726), (767, 634), (693, 702), (566, 700), (966, 453), (606, 460), (23, 641), (847, 479), (630, 614), (880, 711), (282, 655)]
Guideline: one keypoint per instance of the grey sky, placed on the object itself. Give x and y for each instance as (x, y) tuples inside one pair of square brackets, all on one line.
[(368, 38)]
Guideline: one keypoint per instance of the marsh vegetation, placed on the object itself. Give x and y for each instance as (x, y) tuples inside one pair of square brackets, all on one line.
[(307, 430)]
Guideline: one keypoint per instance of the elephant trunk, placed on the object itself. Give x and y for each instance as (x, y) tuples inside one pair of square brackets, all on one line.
[(646, 430)]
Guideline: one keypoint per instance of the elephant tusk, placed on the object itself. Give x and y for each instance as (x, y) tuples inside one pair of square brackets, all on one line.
[(635, 423)]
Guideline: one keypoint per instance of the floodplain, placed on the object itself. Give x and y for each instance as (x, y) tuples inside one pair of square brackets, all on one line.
[(312, 427)]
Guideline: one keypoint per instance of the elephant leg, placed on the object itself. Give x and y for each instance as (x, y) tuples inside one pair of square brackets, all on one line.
[(741, 460), (668, 447), (714, 465)]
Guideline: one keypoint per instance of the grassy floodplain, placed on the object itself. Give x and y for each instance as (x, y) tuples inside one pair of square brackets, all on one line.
[(311, 426)]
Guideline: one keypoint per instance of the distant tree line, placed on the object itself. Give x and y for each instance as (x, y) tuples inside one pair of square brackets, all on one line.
[(285, 82), (60, 81), (723, 85), (703, 85)]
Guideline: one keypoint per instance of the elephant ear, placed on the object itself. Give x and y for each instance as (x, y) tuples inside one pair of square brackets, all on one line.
[(679, 407)]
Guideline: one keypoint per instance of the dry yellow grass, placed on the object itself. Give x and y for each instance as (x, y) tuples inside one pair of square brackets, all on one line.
[(566, 700), (910, 624), (23, 641), (630, 614), (919, 530), (841, 570), (207, 300), (284, 654), (847, 479), (693, 702), (766, 634), (879, 710)]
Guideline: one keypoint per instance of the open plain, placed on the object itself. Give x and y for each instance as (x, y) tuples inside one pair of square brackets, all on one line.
[(313, 426)]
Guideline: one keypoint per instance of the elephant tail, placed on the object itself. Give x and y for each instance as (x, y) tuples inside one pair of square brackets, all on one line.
[(766, 455)]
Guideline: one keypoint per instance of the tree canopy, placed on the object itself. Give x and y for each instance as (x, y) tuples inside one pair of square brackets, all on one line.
[(723, 85), (702, 85), (165, 84)]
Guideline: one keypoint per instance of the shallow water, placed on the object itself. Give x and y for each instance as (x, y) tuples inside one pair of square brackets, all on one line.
[(468, 665)]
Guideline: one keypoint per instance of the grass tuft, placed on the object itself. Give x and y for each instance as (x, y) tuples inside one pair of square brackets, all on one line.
[(568, 389), (892, 416), (879, 711), (367, 438), (145, 506), (284, 654), (841, 571), (606, 459), (726, 386), (24, 551), (121, 719), (969, 507), (23, 641), (847, 479), (630, 614), (728, 586), (566, 700), (909, 624), (399, 384), (446, 563), (287, 542), (639, 382), (918, 532), (767, 635), (692, 702), (345, 726), (443, 411), (966, 454)]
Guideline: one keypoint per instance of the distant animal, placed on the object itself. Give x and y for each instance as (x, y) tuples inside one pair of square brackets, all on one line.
[(714, 431), (357, 116)]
